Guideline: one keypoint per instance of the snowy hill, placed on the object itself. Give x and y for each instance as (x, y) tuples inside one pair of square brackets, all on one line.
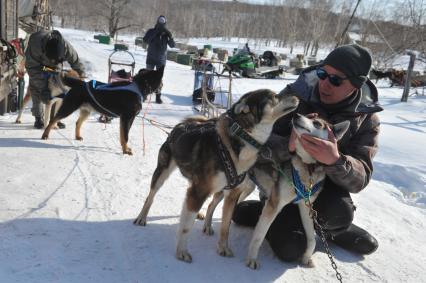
[(66, 207)]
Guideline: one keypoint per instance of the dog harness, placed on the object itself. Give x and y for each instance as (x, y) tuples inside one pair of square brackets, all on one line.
[(300, 189), (232, 177), (230, 172), (94, 86)]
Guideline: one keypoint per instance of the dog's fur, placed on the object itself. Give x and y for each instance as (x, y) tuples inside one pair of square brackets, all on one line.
[(279, 188), (56, 87), (126, 105), (196, 155)]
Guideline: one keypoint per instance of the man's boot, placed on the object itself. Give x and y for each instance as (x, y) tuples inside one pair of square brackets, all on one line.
[(61, 125), (357, 240), (158, 98), (38, 124)]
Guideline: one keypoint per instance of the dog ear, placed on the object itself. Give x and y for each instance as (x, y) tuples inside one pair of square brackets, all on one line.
[(340, 129), (241, 107)]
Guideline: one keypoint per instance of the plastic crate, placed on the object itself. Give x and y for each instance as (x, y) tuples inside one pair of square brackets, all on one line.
[(184, 59), (121, 46), (172, 55), (104, 39)]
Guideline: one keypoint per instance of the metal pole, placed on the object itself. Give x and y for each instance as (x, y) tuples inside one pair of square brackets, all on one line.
[(407, 85), (347, 26)]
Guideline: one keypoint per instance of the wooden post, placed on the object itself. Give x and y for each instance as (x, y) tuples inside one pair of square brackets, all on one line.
[(407, 85)]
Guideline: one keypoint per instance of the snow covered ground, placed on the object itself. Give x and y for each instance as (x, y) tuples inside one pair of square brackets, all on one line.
[(66, 207)]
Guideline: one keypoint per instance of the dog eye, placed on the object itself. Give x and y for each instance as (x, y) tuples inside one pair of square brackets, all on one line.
[(317, 124)]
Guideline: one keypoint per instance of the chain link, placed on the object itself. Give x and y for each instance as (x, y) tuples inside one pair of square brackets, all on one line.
[(314, 215)]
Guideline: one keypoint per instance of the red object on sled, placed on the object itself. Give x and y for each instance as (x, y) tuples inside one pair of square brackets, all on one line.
[(121, 58)]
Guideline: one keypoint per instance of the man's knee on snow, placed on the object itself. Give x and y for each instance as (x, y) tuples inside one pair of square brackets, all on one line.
[(289, 247)]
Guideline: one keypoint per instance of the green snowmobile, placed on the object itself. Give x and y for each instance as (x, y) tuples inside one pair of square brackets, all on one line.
[(246, 64), (243, 63)]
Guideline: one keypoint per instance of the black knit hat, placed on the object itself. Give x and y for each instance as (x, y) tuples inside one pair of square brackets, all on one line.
[(353, 60), (161, 20), (54, 48)]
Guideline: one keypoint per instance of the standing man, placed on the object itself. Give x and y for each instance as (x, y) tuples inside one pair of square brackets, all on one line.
[(338, 89), (157, 39), (47, 49)]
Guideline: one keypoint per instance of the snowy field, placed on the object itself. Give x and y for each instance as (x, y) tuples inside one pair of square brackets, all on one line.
[(66, 207)]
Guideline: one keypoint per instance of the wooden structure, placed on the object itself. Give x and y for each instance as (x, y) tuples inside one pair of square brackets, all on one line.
[(31, 16), (8, 72)]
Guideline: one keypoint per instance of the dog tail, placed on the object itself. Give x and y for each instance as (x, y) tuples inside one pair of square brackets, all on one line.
[(164, 166), (72, 82)]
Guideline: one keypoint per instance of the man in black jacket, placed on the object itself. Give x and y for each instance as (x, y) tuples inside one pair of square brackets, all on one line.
[(157, 39)]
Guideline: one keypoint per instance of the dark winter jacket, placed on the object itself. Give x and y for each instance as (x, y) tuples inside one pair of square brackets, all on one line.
[(157, 39), (358, 146), (35, 57)]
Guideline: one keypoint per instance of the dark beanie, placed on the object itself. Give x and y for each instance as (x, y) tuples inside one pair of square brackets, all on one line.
[(353, 60), (161, 20), (54, 48)]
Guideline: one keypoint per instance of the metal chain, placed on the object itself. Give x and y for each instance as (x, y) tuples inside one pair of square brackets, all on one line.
[(314, 215)]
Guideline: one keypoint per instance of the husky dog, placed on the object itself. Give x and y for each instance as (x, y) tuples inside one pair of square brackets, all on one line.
[(57, 90), (277, 178), (120, 99), (215, 154), (307, 174)]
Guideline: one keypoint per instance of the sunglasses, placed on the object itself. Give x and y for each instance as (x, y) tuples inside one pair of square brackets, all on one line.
[(333, 79)]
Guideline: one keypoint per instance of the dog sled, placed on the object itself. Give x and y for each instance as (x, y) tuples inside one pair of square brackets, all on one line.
[(208, 97), (126, 61), (121, 68)]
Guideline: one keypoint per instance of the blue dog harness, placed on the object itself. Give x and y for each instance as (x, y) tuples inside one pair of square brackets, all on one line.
[(300, 189), (99, 88)]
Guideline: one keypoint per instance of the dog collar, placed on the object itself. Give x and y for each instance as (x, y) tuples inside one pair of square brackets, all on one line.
[(300, 189), (237, 130)]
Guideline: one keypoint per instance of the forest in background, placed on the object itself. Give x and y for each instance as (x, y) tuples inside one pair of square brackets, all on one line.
[(385, 28)]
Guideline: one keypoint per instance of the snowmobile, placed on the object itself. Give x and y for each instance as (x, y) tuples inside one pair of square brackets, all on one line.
[(246, 64)]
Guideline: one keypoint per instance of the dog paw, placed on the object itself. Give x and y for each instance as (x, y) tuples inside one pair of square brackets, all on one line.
[(140, 222), (208, 230), (79, 138), (200, 216), (44, 137), (308, 262), (225, 251), (184, 256), (18, 121), (128, 151), (252, 263)]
